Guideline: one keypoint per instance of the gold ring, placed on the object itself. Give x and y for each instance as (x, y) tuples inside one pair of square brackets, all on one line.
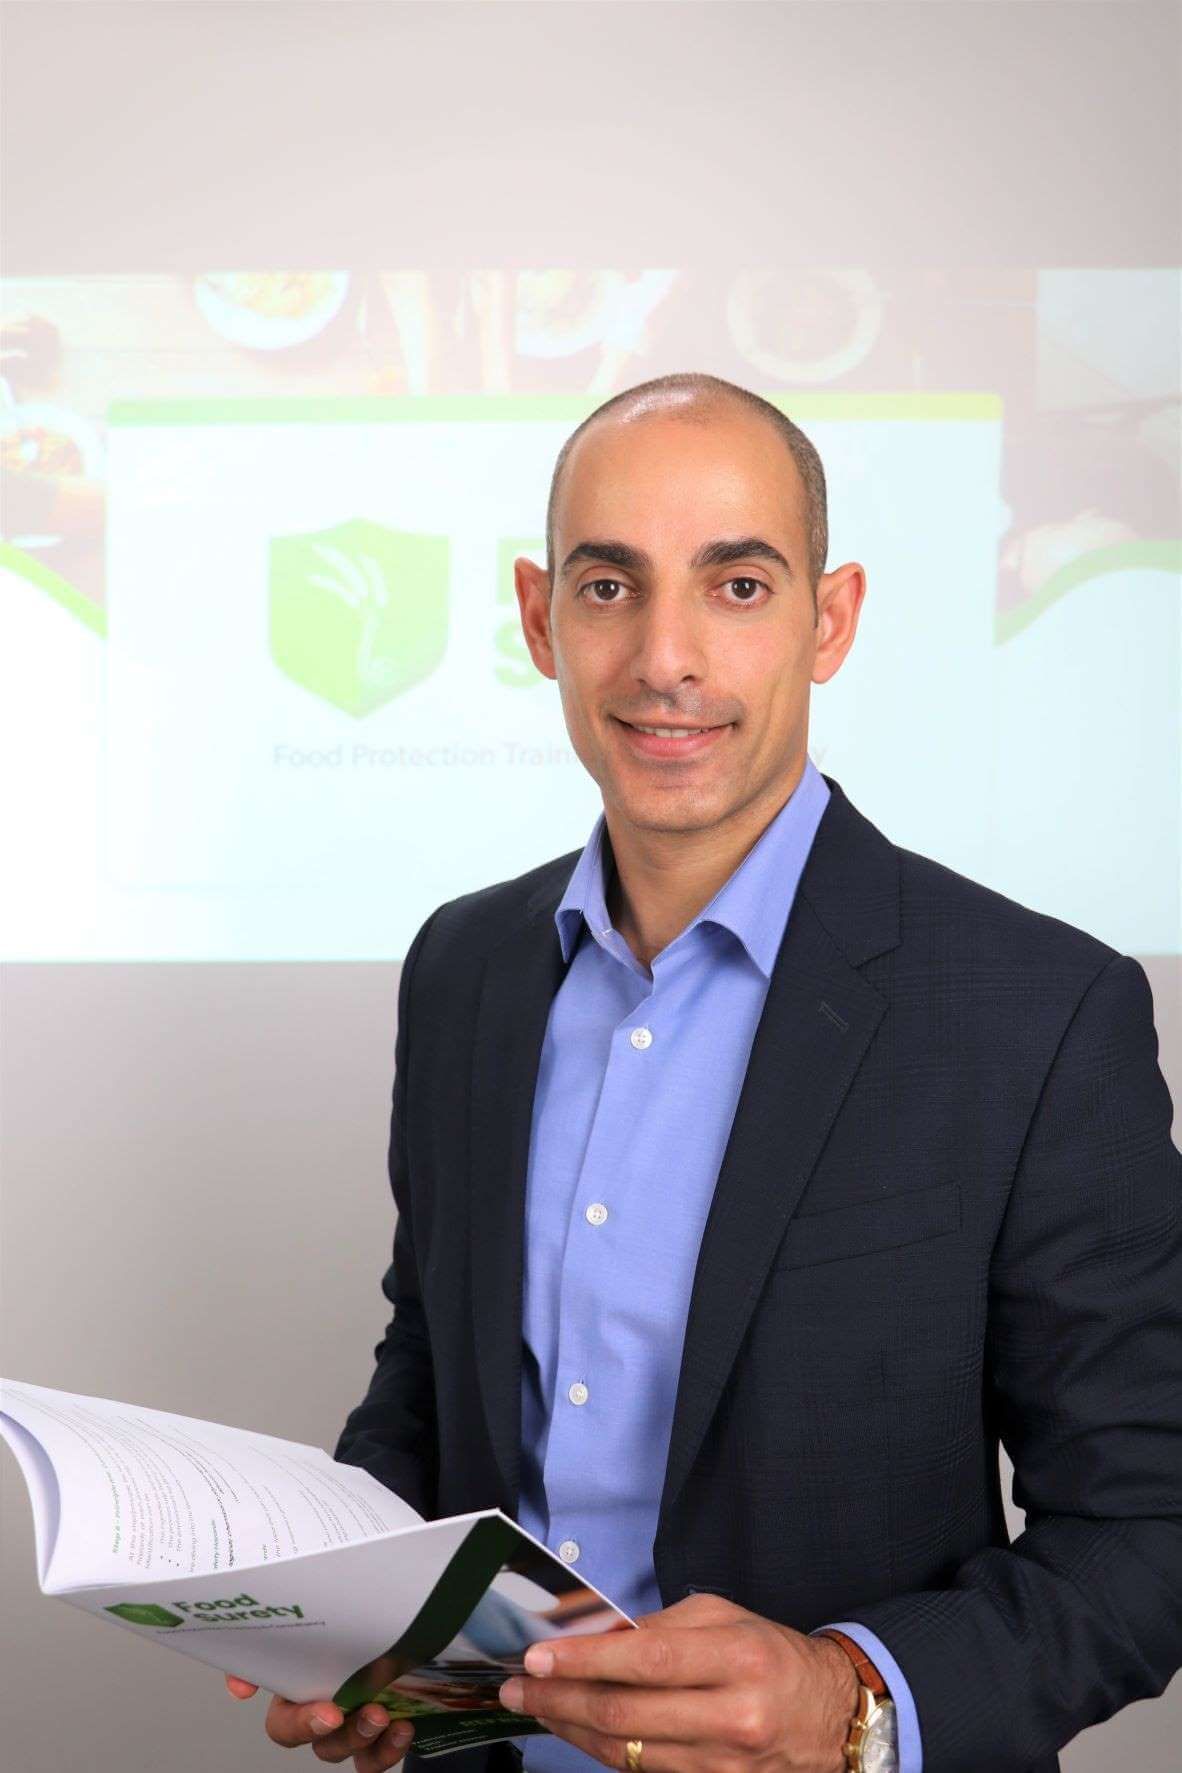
[(633, 1753)]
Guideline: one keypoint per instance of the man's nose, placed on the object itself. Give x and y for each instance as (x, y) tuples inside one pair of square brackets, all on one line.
[(668, 645)]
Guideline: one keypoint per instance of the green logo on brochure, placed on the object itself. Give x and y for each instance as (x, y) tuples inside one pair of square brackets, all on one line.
[(232, 1611), (358, 613), (137, 1613)]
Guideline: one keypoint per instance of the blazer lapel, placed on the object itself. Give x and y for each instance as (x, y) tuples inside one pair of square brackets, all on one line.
[(521, 977), (819, 1017)]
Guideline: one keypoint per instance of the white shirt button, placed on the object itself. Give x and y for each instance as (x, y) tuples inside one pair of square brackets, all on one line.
[(596, 1213), (578, 1393), (641, 1037), (568, 1551)]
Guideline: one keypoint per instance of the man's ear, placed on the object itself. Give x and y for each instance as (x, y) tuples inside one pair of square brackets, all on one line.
[(532, 584), (839, 603)]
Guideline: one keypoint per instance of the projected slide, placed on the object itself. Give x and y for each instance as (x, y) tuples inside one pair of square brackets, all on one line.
[(297, 713)]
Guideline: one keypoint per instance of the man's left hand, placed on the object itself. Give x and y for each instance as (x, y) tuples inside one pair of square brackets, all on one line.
[(706, 1686)]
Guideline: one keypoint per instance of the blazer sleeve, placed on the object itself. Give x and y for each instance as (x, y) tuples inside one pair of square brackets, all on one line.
[(392, 1431), (1031, 1643)]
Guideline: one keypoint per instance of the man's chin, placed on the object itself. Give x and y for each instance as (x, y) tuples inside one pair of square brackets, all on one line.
[(684, 808)]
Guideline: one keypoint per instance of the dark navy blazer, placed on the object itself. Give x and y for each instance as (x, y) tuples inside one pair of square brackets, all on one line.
[(949, 1214)]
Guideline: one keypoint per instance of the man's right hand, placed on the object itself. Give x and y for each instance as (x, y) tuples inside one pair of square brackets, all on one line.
[(370, 1735)]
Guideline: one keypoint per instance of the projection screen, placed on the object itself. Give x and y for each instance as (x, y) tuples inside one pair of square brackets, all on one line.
[(265, 694)]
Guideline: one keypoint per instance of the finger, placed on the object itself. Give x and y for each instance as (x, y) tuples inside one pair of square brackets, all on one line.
[(659, 1757), (239, 1688), (696, 1610), (610, 1708), (663, 1656), (356, 1733), (389, 1748), (292, 1725)]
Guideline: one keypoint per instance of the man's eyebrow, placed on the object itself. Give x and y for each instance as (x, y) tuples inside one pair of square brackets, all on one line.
[(744, 548), (621, 554), (719, 553)]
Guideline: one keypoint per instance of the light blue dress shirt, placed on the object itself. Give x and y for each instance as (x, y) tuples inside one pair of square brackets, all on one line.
[(637, 1088)]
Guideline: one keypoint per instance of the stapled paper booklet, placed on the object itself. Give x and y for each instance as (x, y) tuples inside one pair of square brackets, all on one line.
[(270, 1560)]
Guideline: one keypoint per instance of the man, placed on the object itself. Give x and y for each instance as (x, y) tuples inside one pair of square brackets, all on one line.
[(754, 1177)]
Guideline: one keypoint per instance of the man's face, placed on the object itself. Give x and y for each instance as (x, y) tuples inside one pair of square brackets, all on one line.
[(656, 619)]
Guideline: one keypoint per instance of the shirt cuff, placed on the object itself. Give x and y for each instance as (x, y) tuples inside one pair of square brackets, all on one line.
[(906, 1716)]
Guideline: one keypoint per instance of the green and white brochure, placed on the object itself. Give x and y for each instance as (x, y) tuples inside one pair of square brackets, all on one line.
[(269, 1560)]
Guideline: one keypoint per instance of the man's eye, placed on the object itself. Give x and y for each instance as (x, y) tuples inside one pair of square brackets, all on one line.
[(749, 594)]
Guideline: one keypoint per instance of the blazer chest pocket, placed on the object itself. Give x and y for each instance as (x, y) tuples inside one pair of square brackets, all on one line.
[(884, 1224)]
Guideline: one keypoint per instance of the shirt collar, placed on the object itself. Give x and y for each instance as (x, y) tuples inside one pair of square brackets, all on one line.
[(753, 903)]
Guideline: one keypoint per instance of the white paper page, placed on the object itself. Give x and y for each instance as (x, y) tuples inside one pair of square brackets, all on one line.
[(304, 1627), (41, 1483), (299, 1628), (148, 1495)]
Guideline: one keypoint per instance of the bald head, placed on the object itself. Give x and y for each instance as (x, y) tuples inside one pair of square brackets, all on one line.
[(700, 399)]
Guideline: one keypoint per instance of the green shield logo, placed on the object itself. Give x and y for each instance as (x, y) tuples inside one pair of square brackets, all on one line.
[(145, 1613), (358, 613)]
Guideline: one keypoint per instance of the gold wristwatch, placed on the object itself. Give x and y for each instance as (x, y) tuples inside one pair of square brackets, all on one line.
[(872, 1745)]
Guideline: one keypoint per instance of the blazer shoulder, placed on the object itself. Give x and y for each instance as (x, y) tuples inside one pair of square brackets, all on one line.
[(936, 899), (473, 923)]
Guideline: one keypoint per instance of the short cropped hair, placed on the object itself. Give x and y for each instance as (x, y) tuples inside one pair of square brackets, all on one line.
[(712, 392)]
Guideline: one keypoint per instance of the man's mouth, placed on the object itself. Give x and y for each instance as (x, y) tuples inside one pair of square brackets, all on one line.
[(673, 729), (652, 740)]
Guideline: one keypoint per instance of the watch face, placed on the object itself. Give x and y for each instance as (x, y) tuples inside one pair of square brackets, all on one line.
[(880, 1750)]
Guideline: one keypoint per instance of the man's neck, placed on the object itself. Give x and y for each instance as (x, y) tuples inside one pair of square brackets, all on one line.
[(658, 881)]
